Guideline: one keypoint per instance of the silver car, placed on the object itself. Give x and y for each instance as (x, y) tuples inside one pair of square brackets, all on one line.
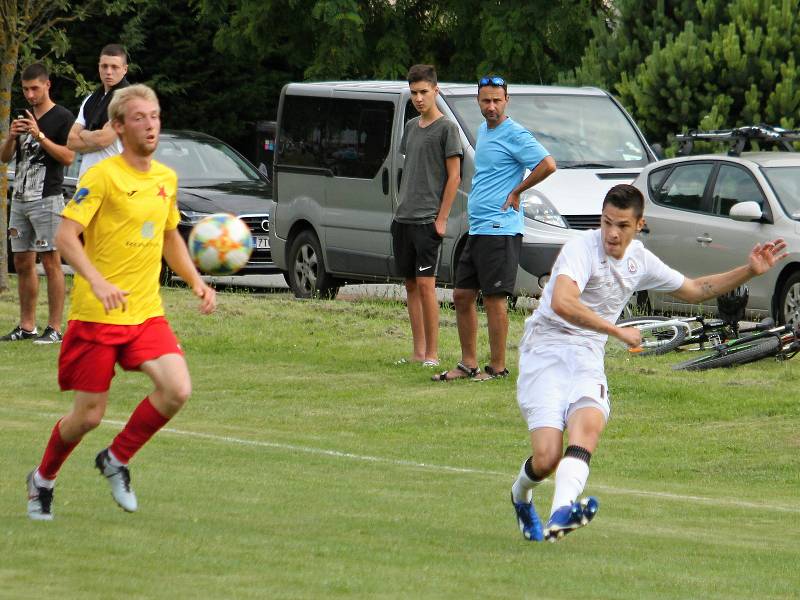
[(705, 213)]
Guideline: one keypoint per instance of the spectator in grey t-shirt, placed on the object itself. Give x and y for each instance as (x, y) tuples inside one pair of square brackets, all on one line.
[(431, 175)]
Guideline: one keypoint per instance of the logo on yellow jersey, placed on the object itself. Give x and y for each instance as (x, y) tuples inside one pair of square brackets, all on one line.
[(148, 230)]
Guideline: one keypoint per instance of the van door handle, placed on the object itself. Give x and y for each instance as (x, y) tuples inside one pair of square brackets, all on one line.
[(385, 180), (705, 239)]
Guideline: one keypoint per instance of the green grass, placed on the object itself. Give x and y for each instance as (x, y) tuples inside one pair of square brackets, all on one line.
[(307, 465)]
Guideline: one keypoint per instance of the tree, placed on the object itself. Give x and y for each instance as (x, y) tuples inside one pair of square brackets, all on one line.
[(686, 65), (31, 29)]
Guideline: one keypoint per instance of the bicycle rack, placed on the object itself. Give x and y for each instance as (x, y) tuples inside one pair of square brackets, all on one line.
[(739, 137)]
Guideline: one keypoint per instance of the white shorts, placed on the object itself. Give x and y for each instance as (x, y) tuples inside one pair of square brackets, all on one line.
[(554, 381)]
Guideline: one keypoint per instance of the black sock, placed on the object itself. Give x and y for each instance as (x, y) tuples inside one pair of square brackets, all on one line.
[(579, 453)]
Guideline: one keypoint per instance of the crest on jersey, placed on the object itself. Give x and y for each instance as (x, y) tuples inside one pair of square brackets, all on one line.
[(80, 195), (148, 230), (632, 265)]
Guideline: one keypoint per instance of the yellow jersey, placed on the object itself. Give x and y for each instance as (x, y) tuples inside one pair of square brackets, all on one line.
[(125, 213)]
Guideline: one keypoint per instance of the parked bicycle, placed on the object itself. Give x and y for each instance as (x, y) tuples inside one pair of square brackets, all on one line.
[(782, 342)]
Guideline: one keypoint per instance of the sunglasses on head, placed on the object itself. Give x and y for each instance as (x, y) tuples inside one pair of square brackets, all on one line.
[(493, 81)]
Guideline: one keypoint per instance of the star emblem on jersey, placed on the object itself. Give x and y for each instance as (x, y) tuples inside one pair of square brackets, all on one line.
[(632, 265), (162, 192)]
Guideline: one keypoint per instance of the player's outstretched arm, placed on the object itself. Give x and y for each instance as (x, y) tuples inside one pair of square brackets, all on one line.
[(566, 303), (762, 258), (69, 245), (177, 256)]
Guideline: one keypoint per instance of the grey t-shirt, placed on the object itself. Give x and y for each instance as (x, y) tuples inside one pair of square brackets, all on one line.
[(425, 170)]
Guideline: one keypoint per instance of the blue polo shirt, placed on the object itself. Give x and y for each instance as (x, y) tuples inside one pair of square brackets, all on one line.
[(501, 156)]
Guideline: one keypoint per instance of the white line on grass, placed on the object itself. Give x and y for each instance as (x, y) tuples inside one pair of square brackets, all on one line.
[(464, 470)]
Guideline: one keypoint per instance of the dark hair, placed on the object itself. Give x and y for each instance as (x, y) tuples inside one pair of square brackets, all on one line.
[(422, 73), (35, 71), (624, 196), (115, 50)]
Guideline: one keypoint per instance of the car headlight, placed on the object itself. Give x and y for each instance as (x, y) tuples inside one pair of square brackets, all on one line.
[(540, 209), (190, 217)]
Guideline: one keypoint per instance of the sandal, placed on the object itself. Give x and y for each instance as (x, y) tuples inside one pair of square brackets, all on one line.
[(492, 374), (469, 373)]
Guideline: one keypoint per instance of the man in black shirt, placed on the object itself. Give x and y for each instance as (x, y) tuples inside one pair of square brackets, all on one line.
[(37, 140)]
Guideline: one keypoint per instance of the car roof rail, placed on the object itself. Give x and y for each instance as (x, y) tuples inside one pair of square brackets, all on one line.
[(738, 137)]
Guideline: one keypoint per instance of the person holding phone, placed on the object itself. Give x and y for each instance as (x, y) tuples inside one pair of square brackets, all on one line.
[(37, 141)]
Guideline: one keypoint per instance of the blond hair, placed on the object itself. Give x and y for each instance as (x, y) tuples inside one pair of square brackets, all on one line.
[(119, 103)]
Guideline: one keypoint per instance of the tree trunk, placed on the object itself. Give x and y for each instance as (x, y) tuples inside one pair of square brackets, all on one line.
[(9, 54)]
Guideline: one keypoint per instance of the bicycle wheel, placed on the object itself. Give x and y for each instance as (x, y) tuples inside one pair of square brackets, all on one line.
[(730, 357), (658, 336)]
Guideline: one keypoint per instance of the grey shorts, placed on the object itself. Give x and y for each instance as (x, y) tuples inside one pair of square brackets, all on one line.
[(32, 225)]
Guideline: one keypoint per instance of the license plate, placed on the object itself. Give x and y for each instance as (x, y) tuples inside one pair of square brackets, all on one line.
[(262, 242)]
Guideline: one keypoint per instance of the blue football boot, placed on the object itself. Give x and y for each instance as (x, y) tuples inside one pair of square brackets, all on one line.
[(529, 524), (570, 517)]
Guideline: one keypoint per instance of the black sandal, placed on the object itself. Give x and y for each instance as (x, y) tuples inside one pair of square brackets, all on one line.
[(469, 373), (492, 374)]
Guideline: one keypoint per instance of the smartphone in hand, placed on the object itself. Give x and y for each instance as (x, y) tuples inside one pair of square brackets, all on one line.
[(20, 113)]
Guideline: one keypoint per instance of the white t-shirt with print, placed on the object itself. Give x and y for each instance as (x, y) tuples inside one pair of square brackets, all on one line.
[(606, 286)]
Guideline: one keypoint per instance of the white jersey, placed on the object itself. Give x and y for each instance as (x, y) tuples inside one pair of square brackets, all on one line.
[(92, 158), (606, 286)]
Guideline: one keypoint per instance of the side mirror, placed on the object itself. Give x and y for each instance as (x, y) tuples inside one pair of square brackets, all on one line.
[(746, 211)]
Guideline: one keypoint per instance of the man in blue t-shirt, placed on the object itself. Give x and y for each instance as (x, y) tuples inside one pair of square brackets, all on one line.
[(490, 258)]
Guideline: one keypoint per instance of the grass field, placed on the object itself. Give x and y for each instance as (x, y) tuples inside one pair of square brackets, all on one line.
[(307, 465)]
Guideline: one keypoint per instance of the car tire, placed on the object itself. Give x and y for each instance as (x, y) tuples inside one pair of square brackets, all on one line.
[(307, 276), (789, 300)]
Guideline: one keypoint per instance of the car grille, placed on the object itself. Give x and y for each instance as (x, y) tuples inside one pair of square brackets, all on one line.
[(259, 227), (582, 221)]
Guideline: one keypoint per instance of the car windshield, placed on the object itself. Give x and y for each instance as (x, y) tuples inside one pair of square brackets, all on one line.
[(785, 182), (579, 131), (203, 162)]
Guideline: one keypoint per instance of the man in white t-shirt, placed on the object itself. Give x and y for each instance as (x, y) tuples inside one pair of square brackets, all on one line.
[(562, 383), (92, 135)]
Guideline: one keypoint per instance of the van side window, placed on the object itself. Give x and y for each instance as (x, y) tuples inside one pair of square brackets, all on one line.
[(358, 137), (302, 129)]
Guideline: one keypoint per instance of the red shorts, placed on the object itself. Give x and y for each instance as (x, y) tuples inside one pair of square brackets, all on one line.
[(90, 350)]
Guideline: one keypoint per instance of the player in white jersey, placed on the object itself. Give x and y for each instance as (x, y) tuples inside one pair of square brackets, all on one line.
[(562, 383)]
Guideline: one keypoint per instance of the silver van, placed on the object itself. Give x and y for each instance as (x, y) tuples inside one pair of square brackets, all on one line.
[(338, 169)]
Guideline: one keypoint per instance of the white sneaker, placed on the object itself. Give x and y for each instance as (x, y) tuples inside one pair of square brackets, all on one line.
[(119, 478), (40, 501)]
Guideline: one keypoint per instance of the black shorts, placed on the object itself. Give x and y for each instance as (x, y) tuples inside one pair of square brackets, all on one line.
[(489, 263), (417, 249)]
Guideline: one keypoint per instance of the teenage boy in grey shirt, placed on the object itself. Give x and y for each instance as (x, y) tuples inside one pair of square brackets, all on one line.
[(431, 175)]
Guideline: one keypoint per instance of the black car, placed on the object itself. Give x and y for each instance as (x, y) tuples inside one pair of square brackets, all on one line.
[(212, 178)]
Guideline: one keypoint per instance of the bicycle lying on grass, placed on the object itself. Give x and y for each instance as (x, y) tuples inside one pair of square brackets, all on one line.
[(665, 334), (782, 342)]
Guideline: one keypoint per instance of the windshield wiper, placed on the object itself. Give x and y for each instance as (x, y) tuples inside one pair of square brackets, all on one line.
[(585, 165)]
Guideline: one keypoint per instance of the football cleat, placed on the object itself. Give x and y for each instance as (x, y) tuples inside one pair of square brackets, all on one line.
[(40, 501), (119, 478), (529, 524), (570, 517)]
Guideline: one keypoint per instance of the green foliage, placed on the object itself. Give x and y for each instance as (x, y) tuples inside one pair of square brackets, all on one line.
[(687, 65)]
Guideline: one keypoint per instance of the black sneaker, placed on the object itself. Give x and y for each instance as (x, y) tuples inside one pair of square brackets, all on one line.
[(18, 334), (40, 501), (49, 336)]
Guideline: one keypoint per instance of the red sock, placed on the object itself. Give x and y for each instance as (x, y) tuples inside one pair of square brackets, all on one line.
[(55, 453), (141, 426)]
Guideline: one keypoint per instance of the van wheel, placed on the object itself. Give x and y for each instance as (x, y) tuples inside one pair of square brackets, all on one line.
[(307, 275), (789, 301)]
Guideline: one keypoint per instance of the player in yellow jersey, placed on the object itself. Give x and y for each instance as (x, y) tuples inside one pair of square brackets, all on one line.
[(125, 208)]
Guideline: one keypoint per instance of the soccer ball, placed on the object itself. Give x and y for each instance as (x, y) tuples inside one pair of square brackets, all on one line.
[(220, 244)]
